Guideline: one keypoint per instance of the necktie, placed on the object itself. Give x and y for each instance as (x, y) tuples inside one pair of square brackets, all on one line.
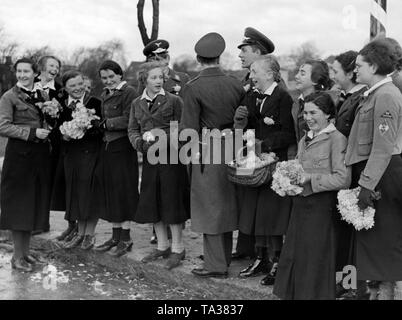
[(345, 96), (73, 104), (262, 96), (301, 104)]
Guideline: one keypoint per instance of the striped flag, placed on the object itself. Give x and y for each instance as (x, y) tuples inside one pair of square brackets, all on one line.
[(378, 18)]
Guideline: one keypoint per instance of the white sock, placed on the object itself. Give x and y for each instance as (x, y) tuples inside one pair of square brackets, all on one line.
[(177, 238), (162, 235)]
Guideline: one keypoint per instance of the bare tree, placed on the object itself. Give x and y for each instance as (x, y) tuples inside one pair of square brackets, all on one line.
[(7, 48), (155, 21)]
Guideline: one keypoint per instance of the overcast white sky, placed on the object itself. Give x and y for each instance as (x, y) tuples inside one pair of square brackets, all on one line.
[(68, 24)]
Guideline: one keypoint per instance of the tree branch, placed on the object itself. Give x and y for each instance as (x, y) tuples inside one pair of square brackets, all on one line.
[(141, 24), (155, 20)]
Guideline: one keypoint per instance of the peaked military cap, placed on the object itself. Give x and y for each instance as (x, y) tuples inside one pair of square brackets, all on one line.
[(210, 46), (156, 47), (254, 37)]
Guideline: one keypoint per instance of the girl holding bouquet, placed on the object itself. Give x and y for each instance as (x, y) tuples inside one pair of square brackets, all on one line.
[(375, 145), (164, 198), (80, 157), (118, 168), (263, 213), (25, 178), (307, 266)]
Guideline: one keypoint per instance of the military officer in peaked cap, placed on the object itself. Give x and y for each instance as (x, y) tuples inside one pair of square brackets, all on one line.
[(254, 46), (210, 100), (174, 81)]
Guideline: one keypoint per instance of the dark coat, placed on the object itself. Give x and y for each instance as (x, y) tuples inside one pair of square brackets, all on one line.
[(262, 211), (210, 101), (25, 178), (116, 111), (164, 186), (80, 158), (346, 113)]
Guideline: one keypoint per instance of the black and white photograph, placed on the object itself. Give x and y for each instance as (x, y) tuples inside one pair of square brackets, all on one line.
[(202, 155)]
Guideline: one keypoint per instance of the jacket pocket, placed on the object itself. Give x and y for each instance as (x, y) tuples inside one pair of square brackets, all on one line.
[(321, 161), (364, 148), (114, 111), (21, 107)]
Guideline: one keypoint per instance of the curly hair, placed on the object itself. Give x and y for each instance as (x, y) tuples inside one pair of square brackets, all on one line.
[(143, 72)]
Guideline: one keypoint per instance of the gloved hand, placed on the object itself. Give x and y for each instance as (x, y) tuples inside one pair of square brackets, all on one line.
[(366, 198), (240, 117), (98, 124)]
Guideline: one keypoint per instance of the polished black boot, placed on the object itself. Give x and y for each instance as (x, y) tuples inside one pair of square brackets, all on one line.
[(259, 266)]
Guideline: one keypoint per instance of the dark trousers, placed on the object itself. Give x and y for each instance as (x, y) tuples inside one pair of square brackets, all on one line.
[(217, 251)]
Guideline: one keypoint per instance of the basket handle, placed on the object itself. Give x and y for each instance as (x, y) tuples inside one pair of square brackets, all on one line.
[(239, 153)]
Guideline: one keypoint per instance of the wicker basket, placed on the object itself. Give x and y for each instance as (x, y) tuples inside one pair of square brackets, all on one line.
[(250, 177)]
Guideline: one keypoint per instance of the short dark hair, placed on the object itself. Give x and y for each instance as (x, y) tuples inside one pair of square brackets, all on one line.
[(143, 72), (380, 53), (29, 61), (320, 74), (348, 62), (323, 101), (207, 61), (42, 61), (111, 65), (70, 74)]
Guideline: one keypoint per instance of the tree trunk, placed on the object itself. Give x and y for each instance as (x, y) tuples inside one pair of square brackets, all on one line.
[(141, 23)]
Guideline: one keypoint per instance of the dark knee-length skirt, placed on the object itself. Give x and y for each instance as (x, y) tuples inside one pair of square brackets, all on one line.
[(307, 266), (25, 186), (165, 194), (378, 251), (263, 212), (117, 177), (82, 194)]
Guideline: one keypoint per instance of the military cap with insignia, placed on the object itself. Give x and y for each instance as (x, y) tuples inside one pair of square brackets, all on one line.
[(255, 37), (155, 47), (210, 46)]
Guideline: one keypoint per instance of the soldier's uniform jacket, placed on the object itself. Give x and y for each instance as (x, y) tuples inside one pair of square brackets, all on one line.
[(376, 133), (116, 110), (165, 107), (210, 101)]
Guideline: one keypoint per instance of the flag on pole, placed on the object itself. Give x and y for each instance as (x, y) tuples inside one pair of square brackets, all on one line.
[(378, 18)]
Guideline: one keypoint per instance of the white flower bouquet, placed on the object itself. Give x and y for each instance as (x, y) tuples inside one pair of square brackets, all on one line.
[(287, 178), (81, 122), (51, 108), (350, 211), (269, 121)]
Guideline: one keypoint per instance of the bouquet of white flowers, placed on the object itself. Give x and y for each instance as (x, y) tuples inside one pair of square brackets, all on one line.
[(287, 178), (350, 211), (82, 117), (51, 108)]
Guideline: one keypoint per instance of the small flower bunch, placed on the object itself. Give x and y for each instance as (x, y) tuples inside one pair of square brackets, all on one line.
[(51, 108), (350, 211), (287, 178), (269, 121), (82, 117), (148, 136)]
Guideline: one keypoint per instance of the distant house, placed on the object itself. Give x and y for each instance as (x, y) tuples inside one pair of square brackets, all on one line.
[(7, 77)]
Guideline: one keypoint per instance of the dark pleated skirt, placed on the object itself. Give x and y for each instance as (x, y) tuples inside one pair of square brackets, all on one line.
[(58, 198), (82, 195), (25, 186), (263, 212), (165, 194), (378, 251), (117, 178), (307, 266)]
